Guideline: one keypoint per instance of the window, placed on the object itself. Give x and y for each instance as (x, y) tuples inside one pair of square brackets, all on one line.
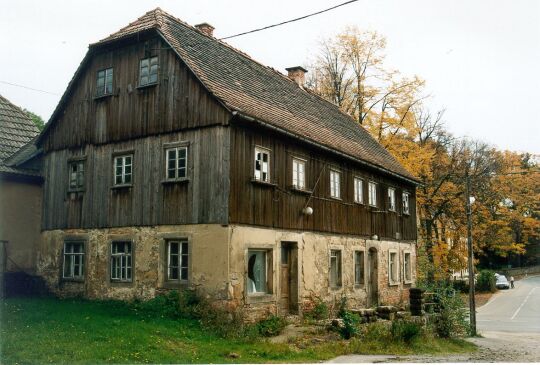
[(121, 261), (148, 72), (372, 193), (392, 267), (359, 267), (262, 164), (177, 260), (392, 199), (335, 268), (407, 266), (73, 260), (335, 177), (123, 169), (298, 174), (176, 163), (104, 82), (76, 175), (405, 203), (257, 272), (358, 190)]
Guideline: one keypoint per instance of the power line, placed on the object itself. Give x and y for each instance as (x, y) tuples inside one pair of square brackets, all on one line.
[(29, 88), (289, 21)]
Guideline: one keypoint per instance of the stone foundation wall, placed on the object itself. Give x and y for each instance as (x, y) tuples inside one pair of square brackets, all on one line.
[(218, 265)]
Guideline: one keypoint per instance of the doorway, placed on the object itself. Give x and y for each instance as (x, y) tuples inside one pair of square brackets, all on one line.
[(373, 281), (288, 278)]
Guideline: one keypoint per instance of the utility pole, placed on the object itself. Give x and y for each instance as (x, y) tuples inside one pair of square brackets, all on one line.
[(472, 303)]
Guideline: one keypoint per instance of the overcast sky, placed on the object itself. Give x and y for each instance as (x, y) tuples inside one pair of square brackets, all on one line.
[(480, 58)]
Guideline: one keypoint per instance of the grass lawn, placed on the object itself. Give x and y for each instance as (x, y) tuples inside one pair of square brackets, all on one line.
[(48, 330)]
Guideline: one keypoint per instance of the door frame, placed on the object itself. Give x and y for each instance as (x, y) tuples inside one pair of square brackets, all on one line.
[(294, 272), (372, 257)]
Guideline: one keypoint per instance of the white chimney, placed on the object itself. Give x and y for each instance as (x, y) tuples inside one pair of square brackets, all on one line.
[(206, 29), (297, 74)]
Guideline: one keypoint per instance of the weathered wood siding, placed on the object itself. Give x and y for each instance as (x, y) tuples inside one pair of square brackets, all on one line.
[(280, 206), (149, 201), (177, 101)]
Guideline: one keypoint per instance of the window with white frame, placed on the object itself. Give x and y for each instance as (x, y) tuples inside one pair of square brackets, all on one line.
[(393, 267), (123, 169), (392, 199), (257, 271), (405, 200), (335, 184), (148, 71), (298, 173), (372, 193), (121, 261), (104, 84), (262, 164), (359, 267), (73, 260), (358, 190), (407, 268), (177, 260), (335, 268), (76, 175), (176, 163)]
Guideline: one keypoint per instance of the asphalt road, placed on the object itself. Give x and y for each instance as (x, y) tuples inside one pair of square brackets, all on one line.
[(512, 310)]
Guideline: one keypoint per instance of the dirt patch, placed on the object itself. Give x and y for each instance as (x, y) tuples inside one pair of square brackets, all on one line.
[(480, 298)]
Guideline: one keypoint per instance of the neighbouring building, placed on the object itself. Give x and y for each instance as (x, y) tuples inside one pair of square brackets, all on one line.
[(174, 160), (20, 190)]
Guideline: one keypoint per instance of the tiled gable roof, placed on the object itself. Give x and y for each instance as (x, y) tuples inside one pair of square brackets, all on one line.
[(16, 131), (264, 94)]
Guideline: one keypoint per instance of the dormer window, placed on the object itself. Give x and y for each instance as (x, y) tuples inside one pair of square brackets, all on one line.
[(262, 164), (148, 72), (104, 85)]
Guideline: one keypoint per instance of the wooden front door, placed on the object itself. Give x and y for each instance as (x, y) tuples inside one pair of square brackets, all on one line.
[(373, 281), (288, 278)]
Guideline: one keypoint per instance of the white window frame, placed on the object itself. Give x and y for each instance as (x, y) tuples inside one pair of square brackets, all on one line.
[(183, 258), (335, 184), (122, 259), (177, 168), (358, 184), (356, 283), (123, 175), (74, 257), (372, 193), (76, 179), (151, 65), (267, 270), (405, 198), (393, 279), (298, 173), (391, 199), (107, 87), (338, 255), (259, 165), (407, 269)]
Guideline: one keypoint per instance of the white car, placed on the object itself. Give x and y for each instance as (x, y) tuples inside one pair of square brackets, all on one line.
[(502, 282)]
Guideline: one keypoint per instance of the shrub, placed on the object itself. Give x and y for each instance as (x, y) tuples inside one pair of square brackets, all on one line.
[(350, 324), (318, 311), (486, 281), (461, 286), (452, 319), (405, 331), (162, 305), (271, 326)]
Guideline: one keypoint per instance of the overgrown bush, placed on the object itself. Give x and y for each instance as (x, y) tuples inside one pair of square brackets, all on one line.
[(351, 321), (271, 326), (318, 311), (162, 305), (486, 281), (461, 286), (405, 331), (452, 319)]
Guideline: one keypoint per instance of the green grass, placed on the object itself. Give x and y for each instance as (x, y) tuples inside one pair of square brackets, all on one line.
[(78, 331)]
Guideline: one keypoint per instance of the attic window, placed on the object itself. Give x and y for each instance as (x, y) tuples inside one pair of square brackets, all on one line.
[(148, 71), (104, 82)]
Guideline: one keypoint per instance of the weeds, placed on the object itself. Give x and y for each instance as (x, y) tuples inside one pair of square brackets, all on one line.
[(271, 326)]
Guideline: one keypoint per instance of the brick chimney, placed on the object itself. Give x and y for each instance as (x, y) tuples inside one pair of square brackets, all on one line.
[(206, 29), (297, 74)]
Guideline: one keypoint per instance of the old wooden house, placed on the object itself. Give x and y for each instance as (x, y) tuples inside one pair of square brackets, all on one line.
[(174, 160)]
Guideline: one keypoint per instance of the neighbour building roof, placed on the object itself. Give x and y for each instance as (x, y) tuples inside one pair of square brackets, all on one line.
[(17, 133), (263, 94)]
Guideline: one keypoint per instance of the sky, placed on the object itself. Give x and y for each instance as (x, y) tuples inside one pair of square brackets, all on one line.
[(480, 58)]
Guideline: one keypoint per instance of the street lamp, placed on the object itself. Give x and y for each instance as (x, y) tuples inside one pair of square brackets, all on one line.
[(472, 303)]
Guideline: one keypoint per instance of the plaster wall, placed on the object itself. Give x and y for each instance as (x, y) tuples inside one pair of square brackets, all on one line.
[(20, 223)]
